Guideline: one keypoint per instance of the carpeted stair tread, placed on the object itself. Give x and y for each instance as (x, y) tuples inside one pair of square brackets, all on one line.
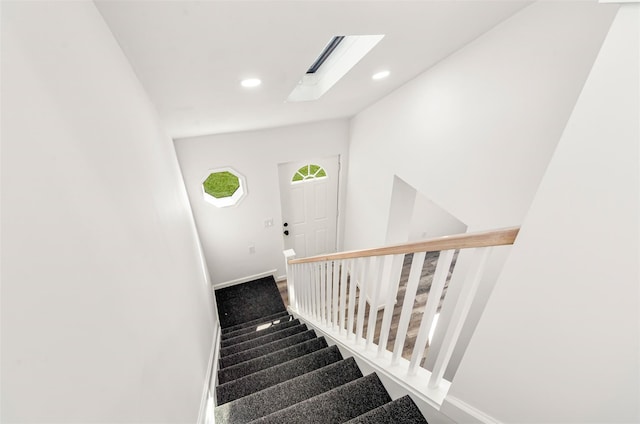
[(269, 377), (376, 416), (254, 323), (335, 406), (262, 340), (266, 348), (254, 327), (288, 393), (405, 410), (263, 332), (246, 368), (248, 301), (402, 410)]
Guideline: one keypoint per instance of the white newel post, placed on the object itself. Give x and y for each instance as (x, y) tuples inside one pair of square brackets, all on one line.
[(288, 255)]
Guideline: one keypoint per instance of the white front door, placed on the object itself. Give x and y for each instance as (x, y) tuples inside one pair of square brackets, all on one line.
[(309, 198)]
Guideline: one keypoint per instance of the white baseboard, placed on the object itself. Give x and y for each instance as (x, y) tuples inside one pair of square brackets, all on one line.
[(281, 278), (245, 279), (206, 403), (461, 412)]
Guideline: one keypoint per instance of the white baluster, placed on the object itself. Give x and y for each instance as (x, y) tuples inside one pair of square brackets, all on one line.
[(384, 264), (343, 292), (323, 283), (288, 255), (355, 267), (304, 275), (417, 264), (329, 292), (302, 290), (311, 289), (326, 268), (393, 281), (327, 299), (437, 286), (308, 287), (335, 280), (316, 286), (365, 270), (296, 282), (467, 295)]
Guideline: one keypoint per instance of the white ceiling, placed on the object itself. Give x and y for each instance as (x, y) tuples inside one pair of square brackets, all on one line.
[(191, 55)]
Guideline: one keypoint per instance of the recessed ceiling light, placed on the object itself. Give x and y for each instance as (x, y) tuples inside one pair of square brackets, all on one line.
[(380, 75), (250, 82)]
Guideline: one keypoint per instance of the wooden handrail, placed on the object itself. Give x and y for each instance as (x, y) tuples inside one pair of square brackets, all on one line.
[(459, 241)]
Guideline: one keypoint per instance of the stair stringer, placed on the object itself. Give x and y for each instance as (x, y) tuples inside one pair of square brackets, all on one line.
[(208, 401), (395, 382)]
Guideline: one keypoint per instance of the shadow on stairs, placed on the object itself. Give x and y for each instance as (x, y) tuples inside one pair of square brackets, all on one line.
[(273, 369)]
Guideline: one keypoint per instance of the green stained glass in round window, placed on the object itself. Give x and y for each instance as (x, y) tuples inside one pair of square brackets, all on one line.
[(221, 184)]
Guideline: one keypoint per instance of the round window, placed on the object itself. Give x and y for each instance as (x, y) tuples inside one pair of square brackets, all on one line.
[(224, 187)]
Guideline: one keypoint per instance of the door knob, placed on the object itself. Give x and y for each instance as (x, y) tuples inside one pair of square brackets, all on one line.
[(286, 224), (286, 232)]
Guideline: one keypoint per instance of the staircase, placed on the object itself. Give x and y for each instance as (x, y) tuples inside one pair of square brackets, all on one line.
[(273, 369)]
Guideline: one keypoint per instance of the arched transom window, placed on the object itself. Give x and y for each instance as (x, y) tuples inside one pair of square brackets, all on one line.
[(309, 172)]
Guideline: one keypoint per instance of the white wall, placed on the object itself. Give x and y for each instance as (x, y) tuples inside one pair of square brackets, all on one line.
[(227, 233), (558, 341), (430, 220), (402, 203), (412, 216), (106, 310), (475, 133)]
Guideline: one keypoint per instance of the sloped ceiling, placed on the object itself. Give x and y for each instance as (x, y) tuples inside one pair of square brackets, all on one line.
[(191, 55)]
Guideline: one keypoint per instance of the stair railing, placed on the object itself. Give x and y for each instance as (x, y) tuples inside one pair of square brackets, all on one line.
[(333, 291)]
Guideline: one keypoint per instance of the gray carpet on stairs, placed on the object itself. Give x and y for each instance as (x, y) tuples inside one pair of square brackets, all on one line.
[(254, 323), (248, 301), (230, 341), (269, 377), (272, 359), (265, 349), (262, 340), (272, 369), (252, 328), (402, 410), (288, 393), (335, 406)]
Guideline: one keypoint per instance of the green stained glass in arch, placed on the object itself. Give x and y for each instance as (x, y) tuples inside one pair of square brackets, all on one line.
[(309, 172)]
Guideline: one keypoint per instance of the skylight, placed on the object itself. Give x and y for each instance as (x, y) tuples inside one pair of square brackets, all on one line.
[(325, 54), (334, 61)]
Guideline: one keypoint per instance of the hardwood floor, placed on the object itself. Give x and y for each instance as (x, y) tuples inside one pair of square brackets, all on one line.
[(282, 286), (422, 296)]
